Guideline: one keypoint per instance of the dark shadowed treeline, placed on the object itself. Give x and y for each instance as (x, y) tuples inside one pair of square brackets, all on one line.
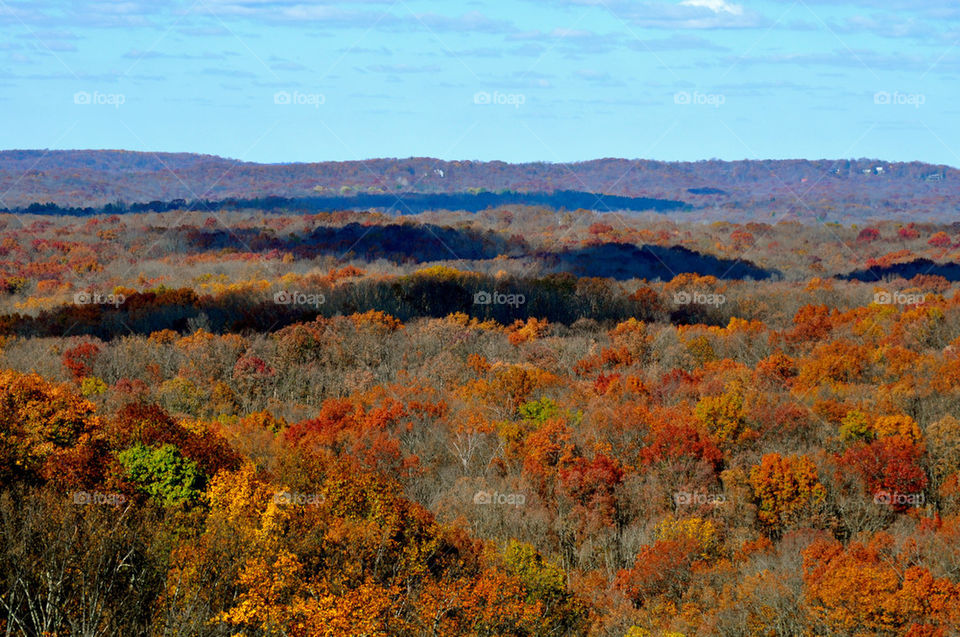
[(400, 203), (435, 292)]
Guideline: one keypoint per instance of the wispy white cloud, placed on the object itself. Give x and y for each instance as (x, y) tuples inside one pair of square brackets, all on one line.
[(677, 42), (396, 69), (717, 6), (571, 42), (138, 54), (473, 21), (234, 73), (685, 14), (866, 60), (599, 78)]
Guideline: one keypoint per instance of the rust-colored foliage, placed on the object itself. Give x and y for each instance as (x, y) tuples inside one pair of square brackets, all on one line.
[(617, 455), (40, 422), (891, 465), (786, 488), (673, 441), (524, 332), (661, 569), (79, 360), (151, 426), (344, 428), (868, 589)]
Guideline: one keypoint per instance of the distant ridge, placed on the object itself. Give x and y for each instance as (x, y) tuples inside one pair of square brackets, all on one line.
[(761, 189), (393, 203)]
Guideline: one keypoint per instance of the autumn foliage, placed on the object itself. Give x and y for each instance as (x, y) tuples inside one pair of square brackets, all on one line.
[(614, 457)]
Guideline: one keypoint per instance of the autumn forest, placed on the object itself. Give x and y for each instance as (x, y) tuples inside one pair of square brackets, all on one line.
[(522, 420)]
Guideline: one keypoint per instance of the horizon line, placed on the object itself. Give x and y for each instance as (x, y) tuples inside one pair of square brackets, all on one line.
[(49, 151)]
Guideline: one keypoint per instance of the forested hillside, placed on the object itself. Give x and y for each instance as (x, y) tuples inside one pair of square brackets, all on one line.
[(838, 190), (513, 422)]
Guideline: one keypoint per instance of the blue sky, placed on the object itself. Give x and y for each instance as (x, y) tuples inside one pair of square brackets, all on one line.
[(519, 80)]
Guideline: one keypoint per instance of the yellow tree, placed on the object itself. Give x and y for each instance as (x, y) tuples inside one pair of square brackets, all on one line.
[(785, 488)]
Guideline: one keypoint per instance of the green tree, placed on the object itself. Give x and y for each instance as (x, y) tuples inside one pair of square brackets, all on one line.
[(163, 473)]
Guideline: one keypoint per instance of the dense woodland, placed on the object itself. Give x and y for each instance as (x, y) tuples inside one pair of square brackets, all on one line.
[(845, 190), (519, 422)]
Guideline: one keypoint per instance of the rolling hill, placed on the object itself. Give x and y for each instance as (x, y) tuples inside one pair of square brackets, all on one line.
[(840, 190)]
